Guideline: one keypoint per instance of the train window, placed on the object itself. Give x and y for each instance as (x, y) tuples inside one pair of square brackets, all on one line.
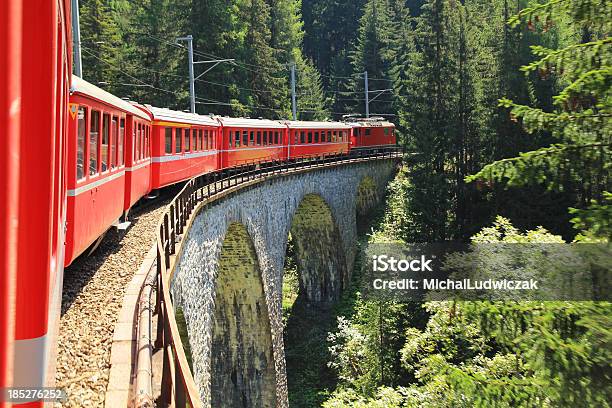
[(145, 142), (168, 140), (259, 138), (328, 136), (252, 138), (199, 141), (82, 130), (121, 141), (245, 138), (148, 142), (368, 131), (94, 133), (302, 137), (316, 138), (264, 138), (105, 141), (142, 141), (207, 141), (178, 140), (386, 131), (187, 140), (136, 154), (309, 137), (113, 144), (237, 138)]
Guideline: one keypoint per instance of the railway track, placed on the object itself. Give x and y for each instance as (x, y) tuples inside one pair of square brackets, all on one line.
[(92, 296)]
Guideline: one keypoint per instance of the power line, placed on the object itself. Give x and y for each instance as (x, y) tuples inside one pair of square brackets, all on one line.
[(210, 101), (184, 77)]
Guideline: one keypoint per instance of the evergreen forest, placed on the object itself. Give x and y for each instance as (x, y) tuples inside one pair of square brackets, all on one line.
[(503, 108)]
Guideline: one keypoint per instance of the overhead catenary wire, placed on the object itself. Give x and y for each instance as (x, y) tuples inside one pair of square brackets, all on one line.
[(206, 101)]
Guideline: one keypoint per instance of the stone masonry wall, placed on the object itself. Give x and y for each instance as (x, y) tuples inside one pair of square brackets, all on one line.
[(265, 211)]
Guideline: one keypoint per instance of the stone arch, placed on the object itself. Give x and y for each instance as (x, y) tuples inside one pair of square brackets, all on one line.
[(367, 196), (242, 367), (320, 257)]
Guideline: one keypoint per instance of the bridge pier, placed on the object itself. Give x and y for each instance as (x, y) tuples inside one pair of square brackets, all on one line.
[(225, 285)]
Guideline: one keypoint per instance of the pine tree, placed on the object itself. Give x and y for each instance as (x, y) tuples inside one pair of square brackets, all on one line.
[(311, 102)]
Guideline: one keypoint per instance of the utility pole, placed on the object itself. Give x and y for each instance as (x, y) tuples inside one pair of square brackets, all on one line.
[(189, 40), (76, 39), (293, 104), (192, 79), (367, 94)]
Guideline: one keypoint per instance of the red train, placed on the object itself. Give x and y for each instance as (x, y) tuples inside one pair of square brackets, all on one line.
[(119, 149), (92, 157)]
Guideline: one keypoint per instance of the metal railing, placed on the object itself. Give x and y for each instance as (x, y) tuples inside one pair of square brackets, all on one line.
[(177, 384)]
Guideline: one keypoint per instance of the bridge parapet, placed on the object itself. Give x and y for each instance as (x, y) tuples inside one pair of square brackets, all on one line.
[(263, 202)]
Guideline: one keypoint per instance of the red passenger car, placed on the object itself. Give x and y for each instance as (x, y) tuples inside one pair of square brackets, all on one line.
[(184, 145), (138, 160), (97, 162), (251, 140), (314, 139), (372, 132)]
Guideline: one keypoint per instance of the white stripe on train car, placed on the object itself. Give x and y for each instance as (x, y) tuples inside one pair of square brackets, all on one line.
[(174, 157), (138, 166), (97, 183), (241, 149)]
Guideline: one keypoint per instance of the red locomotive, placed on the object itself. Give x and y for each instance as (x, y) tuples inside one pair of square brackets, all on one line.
[(371, 132)]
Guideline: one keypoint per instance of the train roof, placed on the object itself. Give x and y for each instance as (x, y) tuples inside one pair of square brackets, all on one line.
[(169, 115), (299, 124), (79, 85), (250, 123), (372, 122)]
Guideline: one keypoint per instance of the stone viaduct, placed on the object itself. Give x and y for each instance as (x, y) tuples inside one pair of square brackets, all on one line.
[(228, 276)]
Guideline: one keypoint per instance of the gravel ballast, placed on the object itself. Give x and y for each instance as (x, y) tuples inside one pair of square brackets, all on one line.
[(92, 297)]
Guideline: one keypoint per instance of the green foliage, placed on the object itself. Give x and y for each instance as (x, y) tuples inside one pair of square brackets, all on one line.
[(579, 160), (490, 354), (594, 221)]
